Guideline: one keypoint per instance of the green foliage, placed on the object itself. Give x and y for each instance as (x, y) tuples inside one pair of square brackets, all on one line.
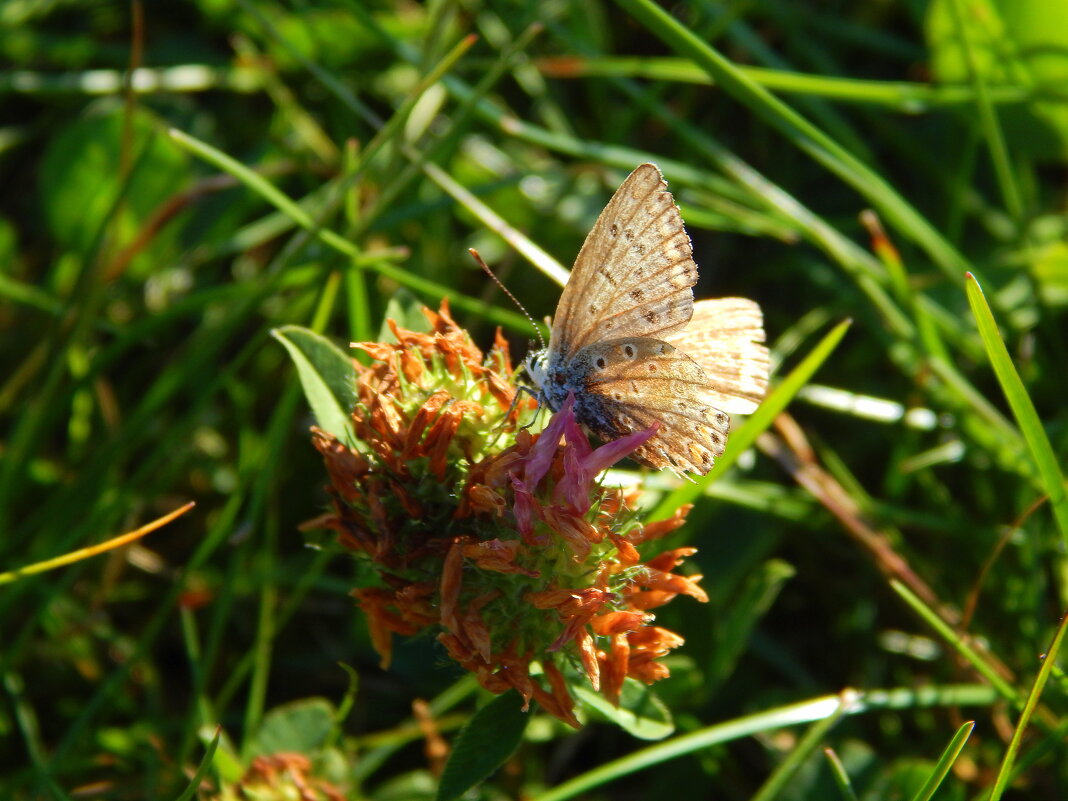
[(892, 521), (487, 740), (327, 377)]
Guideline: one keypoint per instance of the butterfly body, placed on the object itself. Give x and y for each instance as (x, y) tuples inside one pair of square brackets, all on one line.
[(629, 293)]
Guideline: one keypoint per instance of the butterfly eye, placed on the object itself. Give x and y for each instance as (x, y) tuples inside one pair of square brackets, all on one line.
[(559, 378)]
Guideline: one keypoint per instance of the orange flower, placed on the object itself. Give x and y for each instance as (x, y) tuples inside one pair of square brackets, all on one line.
[(502, 542)]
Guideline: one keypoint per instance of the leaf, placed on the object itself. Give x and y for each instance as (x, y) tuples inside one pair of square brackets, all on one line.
[(406, 310), (1013, 43), (328, 378), (302, 727), (741, 614), (81, 178), (640, 712), (489, 738), (1050, 271)]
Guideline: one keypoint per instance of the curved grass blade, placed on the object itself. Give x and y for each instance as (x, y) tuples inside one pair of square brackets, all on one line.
[(841, 778), (792, 715), (945, 762), (1022, 407), (801, 133), (202, 770), (93, 550), (981, 665), (786, 769)]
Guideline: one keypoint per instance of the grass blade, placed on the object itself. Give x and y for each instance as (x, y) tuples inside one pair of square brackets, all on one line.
[(1049, 661), (801, 133), (1022, 407), (945, 762)]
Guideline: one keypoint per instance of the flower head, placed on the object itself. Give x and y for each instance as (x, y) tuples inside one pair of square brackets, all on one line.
[(501, 541)]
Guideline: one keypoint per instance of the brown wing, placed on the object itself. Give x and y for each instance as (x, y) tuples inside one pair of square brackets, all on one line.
[(634, 273), (634, 383), (724, 337)]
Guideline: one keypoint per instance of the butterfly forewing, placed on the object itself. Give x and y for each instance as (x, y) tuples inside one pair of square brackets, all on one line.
[(634, 383), (634, 273), (724, 337)]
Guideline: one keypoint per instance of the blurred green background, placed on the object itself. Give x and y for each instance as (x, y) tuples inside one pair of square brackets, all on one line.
[(140, 276)]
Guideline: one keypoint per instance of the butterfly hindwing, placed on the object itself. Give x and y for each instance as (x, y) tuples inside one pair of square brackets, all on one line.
[(724, 337), (633, 383)]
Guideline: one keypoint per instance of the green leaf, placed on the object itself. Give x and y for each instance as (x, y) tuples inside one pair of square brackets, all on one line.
[(81, 177), (1050, 271), (740, 616), (1022, 407), (1012, 43), (406, 310), (328, 378), (302, 727), (640, 712), (483, 745)]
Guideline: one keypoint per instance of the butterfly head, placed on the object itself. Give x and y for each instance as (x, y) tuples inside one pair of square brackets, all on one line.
[(537, 367)]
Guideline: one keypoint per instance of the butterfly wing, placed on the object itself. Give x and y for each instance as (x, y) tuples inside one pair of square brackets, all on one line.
[(724, 337), (632, 384), (634, 273)]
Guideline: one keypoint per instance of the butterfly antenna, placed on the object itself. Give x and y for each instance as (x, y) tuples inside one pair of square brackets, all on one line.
[(481, 263)]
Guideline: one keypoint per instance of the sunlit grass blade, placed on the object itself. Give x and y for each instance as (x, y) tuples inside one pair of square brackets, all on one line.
[(1004, 169), (974, 658), (801, 133), (257, 183), (759, 421), (809, 711), (909, 97), (945, 762), (94, 550), (1049, 662), (1023, 408), (785, 770), (838, 773)]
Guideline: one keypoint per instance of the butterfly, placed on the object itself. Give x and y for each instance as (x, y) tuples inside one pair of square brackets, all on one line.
[(630, 343)]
